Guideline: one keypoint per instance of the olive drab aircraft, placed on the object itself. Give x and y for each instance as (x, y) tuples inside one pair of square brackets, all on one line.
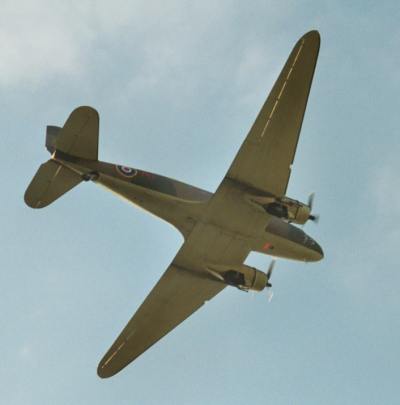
[(248, 212)]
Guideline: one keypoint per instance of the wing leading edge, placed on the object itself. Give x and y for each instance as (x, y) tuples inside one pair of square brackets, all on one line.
[(175, 297), (265, 158)]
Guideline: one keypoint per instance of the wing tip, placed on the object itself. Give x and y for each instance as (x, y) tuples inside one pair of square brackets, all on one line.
[(29, 201), (108, 367), (105, 372), (312, 35)]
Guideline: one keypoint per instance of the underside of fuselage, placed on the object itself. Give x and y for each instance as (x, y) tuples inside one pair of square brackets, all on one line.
[(183, 206)]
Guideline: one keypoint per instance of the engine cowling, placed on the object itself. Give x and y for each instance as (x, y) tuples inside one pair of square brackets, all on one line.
[(246, 278), (291, 210)]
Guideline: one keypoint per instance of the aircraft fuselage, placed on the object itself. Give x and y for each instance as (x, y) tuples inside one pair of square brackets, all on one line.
[(183, 206)]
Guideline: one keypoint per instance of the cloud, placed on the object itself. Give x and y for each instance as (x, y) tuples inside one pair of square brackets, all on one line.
[(385, 192), (37, 40), (43, 40), (25, 352), (369, 269)]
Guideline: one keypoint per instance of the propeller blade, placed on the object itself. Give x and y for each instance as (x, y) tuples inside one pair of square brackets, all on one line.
[(310, 202), (214, 273), (270, 269), (270, 295), (269, 285)]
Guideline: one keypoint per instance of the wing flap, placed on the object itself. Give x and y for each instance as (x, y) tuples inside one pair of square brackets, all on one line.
[(175, 297), (264, 160)]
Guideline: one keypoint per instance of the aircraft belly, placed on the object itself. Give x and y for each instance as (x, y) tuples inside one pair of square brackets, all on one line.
[(282, 239), (177, 212), (281, 247), (230, 211), (224, 230), (211, 244)]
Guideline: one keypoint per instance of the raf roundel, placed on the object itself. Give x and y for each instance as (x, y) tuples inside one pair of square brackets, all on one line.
[(126, 171)]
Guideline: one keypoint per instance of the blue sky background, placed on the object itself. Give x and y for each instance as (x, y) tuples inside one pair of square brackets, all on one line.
[(177, 85)]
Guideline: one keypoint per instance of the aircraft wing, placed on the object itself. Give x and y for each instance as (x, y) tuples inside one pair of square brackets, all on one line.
[(265, 158), (176, 296), (182, 290)]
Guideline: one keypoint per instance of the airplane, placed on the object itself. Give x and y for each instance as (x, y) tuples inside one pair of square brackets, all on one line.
[(248, 212)]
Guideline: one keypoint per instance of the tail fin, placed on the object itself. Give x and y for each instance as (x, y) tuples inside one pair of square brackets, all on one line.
[(79, 137), (51, 181)]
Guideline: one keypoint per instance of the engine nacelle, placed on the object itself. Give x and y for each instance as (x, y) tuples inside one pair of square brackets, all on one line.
[(245, 278), (291, 210)]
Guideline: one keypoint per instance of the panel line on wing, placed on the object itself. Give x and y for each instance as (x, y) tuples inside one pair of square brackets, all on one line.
[(281, 91), (119, 347), (114, 353)]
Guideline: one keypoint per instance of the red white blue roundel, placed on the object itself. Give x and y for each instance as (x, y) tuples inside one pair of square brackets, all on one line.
[(126, 171)]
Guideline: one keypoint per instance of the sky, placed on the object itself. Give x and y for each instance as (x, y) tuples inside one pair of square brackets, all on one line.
[(178, 85)]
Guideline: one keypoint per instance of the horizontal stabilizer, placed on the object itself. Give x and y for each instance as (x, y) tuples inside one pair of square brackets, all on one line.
[(51, 181)]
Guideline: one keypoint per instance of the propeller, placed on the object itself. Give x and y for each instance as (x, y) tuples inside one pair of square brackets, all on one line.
[(269, 273), (269, 285), (310, 203), (270, 295)]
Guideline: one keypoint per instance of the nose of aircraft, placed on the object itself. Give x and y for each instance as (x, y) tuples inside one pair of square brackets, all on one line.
[(315, 252)]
